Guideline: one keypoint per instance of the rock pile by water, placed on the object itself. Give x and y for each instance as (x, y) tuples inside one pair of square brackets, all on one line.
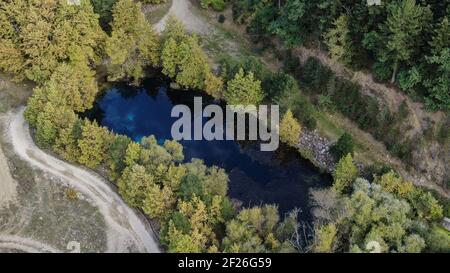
[(320, 149)]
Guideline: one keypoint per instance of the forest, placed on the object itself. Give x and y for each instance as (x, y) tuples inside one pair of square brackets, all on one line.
[(403, 42), (62, 47)]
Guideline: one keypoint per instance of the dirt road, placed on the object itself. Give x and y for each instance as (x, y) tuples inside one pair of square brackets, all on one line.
[(181, 9), (7, 184), (127, 229), (19, 244)]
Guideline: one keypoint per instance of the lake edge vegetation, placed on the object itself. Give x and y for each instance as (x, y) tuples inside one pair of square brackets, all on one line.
[(189, 201)]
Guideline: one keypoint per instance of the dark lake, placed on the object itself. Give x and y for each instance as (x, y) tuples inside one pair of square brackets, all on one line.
[(282, 177)]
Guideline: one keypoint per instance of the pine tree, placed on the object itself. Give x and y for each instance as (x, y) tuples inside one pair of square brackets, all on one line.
[(339, 41), (170, 58), (441, 38), (134, 184), (405, 23), (133, 44), (345, 173), (158, 202), (326, 237), (183, 59), (79, 85), (244, 89), (438, 84), (213, 85), (290, 129), (39, 35), (93, 144)]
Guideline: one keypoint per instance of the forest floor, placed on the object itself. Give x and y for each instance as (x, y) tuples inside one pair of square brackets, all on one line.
[(222, 40), (39, 216)]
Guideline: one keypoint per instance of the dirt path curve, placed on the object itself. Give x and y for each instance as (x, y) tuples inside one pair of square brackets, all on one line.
[(7, 184), (181, 9), (127, 229), (16, 243)]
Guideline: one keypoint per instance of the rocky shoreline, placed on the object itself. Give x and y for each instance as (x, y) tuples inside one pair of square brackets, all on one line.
[(317, 149)]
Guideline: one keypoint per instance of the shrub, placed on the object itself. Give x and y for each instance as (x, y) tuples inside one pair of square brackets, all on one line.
[(280, 84), (71, 194), (222, 18), (315, 75), (381, 71), (344, 146), (345, 174), (217, 5)]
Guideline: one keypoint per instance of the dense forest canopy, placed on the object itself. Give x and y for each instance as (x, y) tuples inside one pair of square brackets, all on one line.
[(405, 41)]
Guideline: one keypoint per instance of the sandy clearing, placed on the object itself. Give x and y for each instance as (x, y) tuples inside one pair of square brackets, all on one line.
[(127, 229), (8, 192), (181, 9)]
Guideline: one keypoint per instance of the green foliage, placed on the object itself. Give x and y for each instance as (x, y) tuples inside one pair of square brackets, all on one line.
[(301, 107), (315, 76), (390, 212), (381, 71), (405, 23), (378, 216), (37, 36), (183, 59), (326, 236), (57, 45), (152, 1), (78, 84), (133, 44), (345, 174), (438, 85), (104, 9), (344, 146), (339, 41), (134, 184), (441, 38), (49, 111), (259, 229), (280, 85), (158, 201), (394, 184), (388, 38), (217, 5), (231, 66), (93, 144), (437, 240), (244, 89), (347, 98), (191, 186), (290, 129), (222, 18), (214, 180), (281, 88), (287, 26), (425, 205), (189, 200), (116, 155)]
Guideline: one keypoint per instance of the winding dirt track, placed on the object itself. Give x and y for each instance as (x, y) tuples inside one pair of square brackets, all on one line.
[(127, 229), (16, 243), (181, 9)]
